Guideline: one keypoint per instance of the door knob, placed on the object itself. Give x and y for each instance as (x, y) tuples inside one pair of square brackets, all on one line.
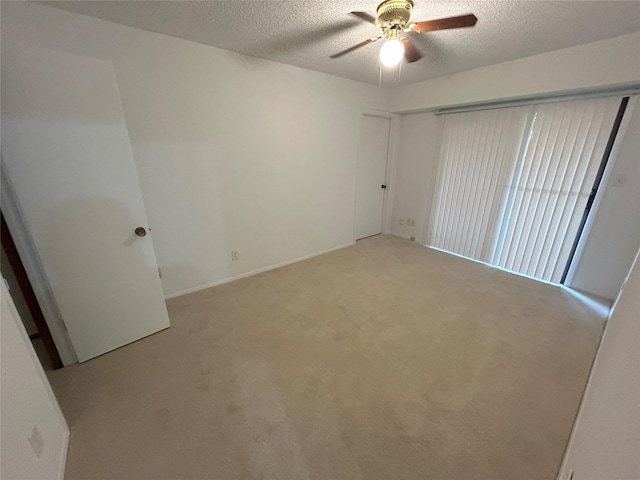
[(140, 231), (383, 186)]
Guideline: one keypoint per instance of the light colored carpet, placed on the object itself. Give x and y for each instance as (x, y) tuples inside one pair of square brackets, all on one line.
[(385, 360)]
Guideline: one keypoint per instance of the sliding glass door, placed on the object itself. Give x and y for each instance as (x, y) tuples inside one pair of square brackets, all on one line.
[(513, 183)]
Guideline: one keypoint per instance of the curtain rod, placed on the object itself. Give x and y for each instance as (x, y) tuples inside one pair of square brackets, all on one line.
[(623, 92)]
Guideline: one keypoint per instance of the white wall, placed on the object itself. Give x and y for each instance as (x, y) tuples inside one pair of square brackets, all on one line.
[(233, 152), (26, 401), (615, 61), (614, 238), (415, 173), (605, 442), (236, 153)]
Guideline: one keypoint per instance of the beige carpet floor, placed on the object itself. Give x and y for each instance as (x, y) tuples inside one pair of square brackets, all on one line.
[(385, 360)]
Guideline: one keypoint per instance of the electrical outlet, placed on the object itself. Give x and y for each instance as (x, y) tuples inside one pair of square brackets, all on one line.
[(411, 222), (36, 441), (401, 220), (234, 255)]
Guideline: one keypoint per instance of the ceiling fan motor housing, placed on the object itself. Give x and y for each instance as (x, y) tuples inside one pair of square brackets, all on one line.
[(392, 18), (394, 13)]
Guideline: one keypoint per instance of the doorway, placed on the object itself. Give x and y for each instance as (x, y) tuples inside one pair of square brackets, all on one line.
[(371, 174), (25, 300), (67, 155)]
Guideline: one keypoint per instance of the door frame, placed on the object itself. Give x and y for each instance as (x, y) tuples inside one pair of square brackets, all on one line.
[(25, 288), (597, 184), (604, 186), (390, 174), (34, 270)]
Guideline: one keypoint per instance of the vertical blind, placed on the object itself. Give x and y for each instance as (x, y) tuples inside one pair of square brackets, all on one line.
[(567, 143), (478, 156), (513, 183)]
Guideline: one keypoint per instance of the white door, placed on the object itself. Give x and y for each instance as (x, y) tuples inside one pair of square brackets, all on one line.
[(371, 173), (67, 152)]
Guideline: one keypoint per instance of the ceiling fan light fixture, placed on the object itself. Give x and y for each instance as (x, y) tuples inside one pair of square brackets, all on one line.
[(392, 17), (392, 52)]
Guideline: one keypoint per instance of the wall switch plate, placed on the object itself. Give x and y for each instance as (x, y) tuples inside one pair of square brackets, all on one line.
[(36, 441), (234, 255)]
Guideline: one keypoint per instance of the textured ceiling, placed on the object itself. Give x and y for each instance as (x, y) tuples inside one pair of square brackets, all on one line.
[(305, 32)]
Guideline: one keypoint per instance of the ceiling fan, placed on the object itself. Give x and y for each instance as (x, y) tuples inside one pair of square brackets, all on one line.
[(393, 18)]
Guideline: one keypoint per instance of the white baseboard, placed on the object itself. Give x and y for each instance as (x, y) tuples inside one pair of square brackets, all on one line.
[(400, 235), (255, 272)]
